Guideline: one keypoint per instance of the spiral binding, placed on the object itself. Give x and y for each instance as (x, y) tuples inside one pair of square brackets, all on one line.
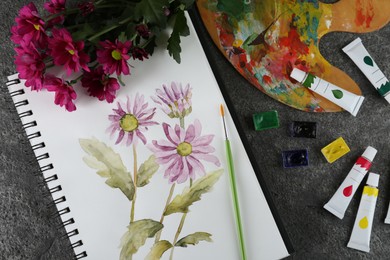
[(50, 179)]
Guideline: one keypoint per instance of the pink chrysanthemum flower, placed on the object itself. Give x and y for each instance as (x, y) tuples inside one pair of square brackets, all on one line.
[(139, 53), (100, 85), (29, 23), (131, 121), (55, 7), (64, 93), (183, 151), (86, 8), (66, 52), (30, 65), (114, 56), (174, 101)]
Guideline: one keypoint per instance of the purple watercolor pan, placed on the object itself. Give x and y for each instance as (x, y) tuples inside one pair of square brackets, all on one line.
[(295, 158)]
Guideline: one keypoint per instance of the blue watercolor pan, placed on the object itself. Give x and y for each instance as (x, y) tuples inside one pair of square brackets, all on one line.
[(295, 158)]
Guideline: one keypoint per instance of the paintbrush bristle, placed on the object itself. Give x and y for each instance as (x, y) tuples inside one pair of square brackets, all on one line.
[(221, 110)]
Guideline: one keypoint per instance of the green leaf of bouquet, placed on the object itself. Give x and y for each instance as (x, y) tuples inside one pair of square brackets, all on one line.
[(194, 239), (152, 11), (146, 171), (109, 165), (180, 28), (82, 32), (136, 235), (158, 250), (150, 45), (183, 201)]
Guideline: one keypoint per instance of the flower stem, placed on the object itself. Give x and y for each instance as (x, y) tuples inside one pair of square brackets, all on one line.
[(179, 228), (109, 28), (135, 185), (162, 215)]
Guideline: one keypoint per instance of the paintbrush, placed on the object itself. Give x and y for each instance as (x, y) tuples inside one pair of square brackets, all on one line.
[(233, 186)]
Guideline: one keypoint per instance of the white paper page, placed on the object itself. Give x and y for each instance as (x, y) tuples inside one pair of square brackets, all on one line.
[(102, 213)]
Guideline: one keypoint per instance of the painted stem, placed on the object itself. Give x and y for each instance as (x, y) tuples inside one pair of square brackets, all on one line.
[(162, 215), (135, 185), (179, 228)]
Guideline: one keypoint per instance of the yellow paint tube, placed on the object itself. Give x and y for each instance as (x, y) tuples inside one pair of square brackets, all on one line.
[(361, 232)]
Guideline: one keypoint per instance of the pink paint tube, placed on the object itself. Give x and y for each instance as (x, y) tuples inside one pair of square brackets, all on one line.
[(338, 204)]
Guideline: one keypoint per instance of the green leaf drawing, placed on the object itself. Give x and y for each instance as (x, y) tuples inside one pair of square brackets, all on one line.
[(367, 60), (180, 28), (194, 239), (146, 171), (136, 236), (384, 88), (337, 93), (152, 11), (190, 195), (158, 250), (309, 80), (109, 165)]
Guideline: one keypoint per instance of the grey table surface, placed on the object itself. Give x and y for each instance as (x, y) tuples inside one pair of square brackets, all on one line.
[(28, 229)]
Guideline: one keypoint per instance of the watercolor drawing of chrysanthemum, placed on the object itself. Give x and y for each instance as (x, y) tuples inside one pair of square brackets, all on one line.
[(174, 101), (183, 152), (130, 120)]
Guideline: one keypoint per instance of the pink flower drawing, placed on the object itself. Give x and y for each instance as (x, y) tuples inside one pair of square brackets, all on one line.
[(29, 23), (66, 52), (131, 120), (183, 152), (174, 101), (64, 93), (30, 65), (114, 56), (100, 85)]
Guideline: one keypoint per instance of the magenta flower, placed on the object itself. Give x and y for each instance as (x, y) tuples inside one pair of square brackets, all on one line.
[(64, 93), (114, 57), (66, 52), (174, 101), (29, 23), (55, 7), (183, 151), (139, 53), (132, 121), (30, 65), (86, 8), (100, 85)]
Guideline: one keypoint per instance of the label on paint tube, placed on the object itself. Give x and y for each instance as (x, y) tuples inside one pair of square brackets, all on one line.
[(360, 56), (361, 232), (338, 204), (341, 97)]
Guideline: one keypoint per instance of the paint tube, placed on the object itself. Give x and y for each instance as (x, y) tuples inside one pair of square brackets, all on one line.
[(341, 97), (360, 56), (338, 204), (361, 232), (387, 219)]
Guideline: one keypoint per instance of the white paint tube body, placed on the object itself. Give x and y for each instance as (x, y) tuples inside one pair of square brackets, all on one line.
[(361, 232), (360, 56), (338, 204), (341, 97)]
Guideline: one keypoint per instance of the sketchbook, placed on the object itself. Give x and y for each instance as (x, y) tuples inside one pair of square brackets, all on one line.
[(145, 177)]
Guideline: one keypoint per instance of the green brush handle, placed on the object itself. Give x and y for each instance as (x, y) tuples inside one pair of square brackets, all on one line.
[(236, 205)]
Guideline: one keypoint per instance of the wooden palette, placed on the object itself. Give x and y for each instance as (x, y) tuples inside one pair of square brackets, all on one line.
[(265, 39)]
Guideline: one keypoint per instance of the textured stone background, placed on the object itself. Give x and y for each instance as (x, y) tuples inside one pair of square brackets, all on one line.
[(28, 230)]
